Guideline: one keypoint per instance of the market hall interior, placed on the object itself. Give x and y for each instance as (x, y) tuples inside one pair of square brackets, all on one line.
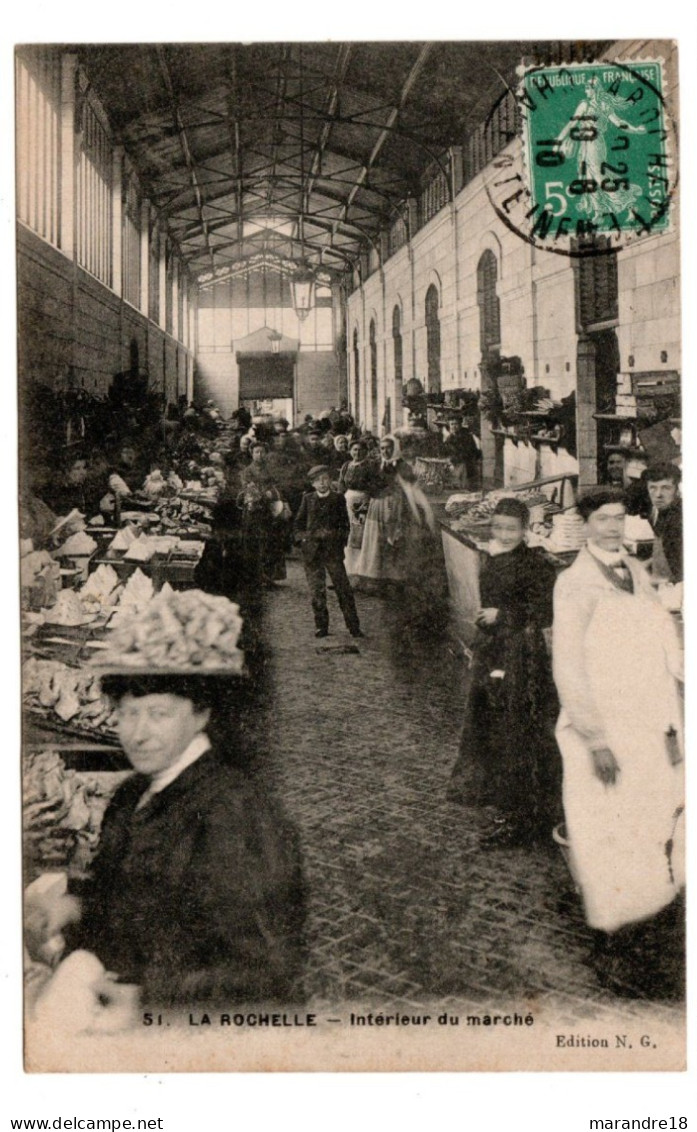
[(228, 258)]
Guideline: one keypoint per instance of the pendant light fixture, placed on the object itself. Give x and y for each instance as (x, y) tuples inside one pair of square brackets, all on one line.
[(302, 284)]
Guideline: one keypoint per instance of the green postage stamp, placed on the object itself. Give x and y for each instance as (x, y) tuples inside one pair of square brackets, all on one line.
[(597, 154)]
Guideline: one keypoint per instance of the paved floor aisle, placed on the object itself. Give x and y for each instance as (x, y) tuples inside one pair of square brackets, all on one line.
[(404, 907)]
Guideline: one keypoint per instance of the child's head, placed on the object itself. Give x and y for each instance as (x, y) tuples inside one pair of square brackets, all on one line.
[(320, 479), (509, 522)]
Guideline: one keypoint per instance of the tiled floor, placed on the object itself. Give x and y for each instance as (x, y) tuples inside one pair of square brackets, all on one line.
[(405, 909)]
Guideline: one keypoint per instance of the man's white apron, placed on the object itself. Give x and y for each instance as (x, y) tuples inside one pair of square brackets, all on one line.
[(626, 839)]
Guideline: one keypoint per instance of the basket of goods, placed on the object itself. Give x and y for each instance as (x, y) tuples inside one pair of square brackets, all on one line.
[(178, 631)]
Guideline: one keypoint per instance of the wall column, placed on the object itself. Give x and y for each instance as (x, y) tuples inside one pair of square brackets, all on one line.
[(586, 425), (117, 221), (175, 298), (162, 287), (385, 383), (144, 302)]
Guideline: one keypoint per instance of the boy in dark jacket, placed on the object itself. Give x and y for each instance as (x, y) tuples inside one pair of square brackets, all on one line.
[(322, 527)]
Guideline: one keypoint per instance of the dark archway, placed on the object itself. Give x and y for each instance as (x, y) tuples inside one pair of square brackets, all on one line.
[(398, 359), (397, 346), (433, 339)]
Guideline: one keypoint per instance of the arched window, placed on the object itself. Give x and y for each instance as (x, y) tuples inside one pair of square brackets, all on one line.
[(488, 303), (356, 375), (433, 339), (397, 347), (373, 375)]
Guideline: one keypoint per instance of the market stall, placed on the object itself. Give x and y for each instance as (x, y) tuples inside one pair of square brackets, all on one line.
[(102, 592), (465, 523)]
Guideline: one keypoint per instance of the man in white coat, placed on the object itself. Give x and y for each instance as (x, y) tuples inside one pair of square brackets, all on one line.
[(617, 663)]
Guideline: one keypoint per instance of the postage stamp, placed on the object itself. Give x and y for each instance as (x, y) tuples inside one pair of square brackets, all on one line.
[(596, 149), (597, 168)]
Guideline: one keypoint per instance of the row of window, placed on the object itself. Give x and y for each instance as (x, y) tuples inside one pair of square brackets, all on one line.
[(597, 289), (489, 330), (432, 304), (70, 180)]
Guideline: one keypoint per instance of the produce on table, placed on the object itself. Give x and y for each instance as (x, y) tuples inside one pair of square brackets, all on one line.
[(77, 545), (72, 694), (145, 547), (461, 502), (69, 610), (180, 513), (136, 595), (178, 629), (101, 590), (123, 539), (60, 809), (117, 484), (188, 548), (155, 484)]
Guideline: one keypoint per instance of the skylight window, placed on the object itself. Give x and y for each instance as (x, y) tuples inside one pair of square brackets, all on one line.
[(280, 224)]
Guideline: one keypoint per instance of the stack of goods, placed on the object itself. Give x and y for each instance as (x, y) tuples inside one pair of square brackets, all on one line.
[(213, 477), (568, 532), (136, 595), (101, 590), (40, 579), (69, 611), (185, 630), (60, 808), (188, 548), (96, 598), (79, 545), (57, 691), (123, 539), (118, 485), (145, 547), (140, 519)]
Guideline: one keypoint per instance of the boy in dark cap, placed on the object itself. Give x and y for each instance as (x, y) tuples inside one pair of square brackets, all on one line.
[(322, 526)]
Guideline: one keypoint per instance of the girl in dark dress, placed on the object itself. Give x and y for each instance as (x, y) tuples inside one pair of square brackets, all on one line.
[(508, 755)]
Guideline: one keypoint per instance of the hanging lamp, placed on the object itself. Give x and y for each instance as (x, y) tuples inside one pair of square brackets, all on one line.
[(302, 289)]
